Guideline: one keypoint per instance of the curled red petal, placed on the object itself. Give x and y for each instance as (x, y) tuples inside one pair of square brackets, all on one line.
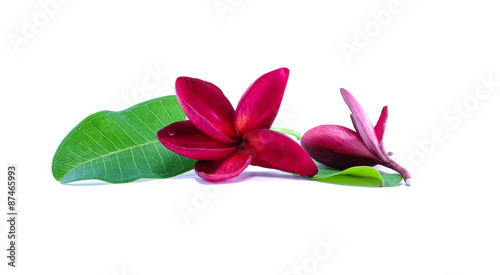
[(363, 125), (224, 168), (337, 139), (275, 150), (259, 105), (380, 127), (185, 139), (207, 107), (337, 160)]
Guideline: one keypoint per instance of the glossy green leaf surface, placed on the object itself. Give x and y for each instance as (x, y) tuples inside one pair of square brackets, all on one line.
[(364, 176), (121, 147)]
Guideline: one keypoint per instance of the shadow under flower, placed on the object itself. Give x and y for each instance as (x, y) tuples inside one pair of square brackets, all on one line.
[(247, 175)]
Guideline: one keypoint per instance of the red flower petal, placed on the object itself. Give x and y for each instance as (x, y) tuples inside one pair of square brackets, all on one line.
[(337, 147), (207, 107), (259, 105), (363, 125), (380, 127), (337, 139), (275, 150), (224, 168), (185, 139)]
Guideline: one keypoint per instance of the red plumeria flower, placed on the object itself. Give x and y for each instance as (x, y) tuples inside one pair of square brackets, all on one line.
[(340, 147), (225, 141)]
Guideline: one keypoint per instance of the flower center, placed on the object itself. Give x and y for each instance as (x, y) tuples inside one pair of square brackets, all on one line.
[(242, 144)]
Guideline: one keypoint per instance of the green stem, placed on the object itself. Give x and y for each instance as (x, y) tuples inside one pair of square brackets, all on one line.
[(294, 133)]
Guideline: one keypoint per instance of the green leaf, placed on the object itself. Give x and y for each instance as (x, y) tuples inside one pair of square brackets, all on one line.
[(121, 147), (391, 180), (357, 176), (290, 132)]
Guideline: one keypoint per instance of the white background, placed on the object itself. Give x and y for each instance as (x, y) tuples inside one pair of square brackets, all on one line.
[(425, 62)]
